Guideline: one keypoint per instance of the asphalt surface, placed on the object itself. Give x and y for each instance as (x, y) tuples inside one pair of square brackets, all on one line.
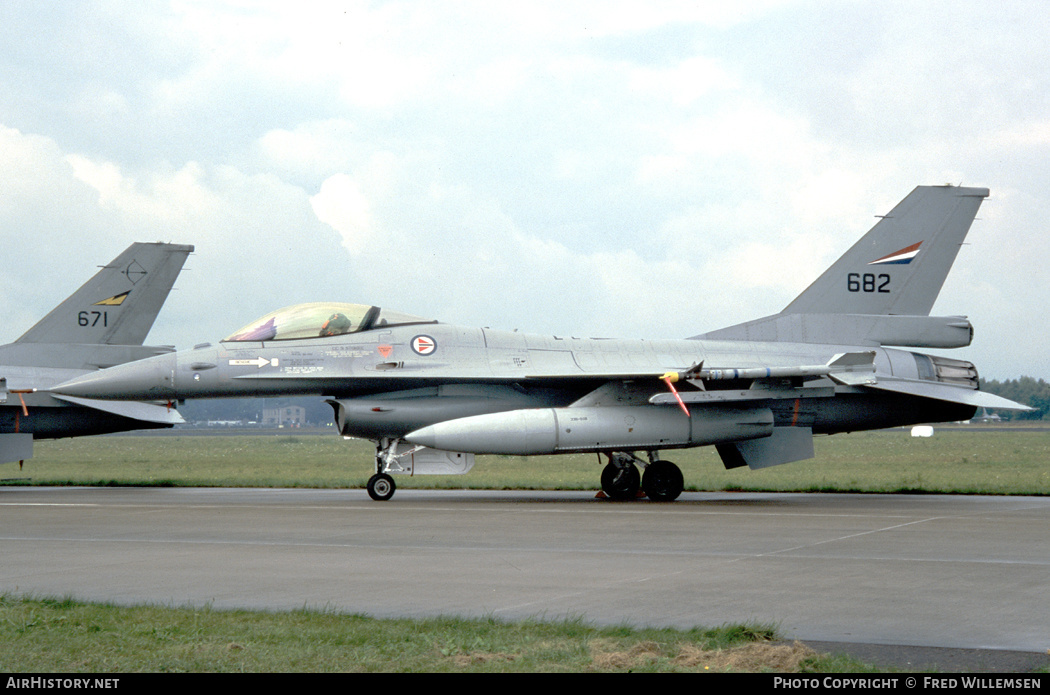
[(954, 583)]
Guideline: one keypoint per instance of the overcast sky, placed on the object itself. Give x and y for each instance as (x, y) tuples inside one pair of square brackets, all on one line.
[(615, 169)]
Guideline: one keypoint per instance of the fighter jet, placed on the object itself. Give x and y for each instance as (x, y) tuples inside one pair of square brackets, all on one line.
[(433, 395), (102, 324)]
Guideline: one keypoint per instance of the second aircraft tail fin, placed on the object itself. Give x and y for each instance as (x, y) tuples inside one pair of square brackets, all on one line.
[(119, 304)]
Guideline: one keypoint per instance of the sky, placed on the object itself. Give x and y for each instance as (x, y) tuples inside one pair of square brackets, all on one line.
[(590, 169)]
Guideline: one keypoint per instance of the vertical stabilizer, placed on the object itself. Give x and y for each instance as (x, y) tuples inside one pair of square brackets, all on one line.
[(119, 304), (881, 291), (899, 267)]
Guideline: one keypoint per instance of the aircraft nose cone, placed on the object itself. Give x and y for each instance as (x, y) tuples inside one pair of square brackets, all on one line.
[(145, 380)]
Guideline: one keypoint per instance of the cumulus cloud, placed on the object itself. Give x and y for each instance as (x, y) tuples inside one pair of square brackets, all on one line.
[(341, 205)]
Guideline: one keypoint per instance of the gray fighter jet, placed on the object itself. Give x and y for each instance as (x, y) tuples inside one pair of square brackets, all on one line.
[(102, 324), (432, 395)]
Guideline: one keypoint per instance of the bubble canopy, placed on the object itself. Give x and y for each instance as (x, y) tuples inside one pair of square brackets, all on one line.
[(320, 320)]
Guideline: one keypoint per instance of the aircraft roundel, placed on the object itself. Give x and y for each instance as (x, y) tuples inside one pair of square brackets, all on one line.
[(424, 345)]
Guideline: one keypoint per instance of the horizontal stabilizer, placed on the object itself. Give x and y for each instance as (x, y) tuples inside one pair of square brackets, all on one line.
[(946, 392), (135, 410)]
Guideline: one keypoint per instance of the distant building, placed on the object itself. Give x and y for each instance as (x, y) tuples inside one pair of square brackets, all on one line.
[(288, 416)]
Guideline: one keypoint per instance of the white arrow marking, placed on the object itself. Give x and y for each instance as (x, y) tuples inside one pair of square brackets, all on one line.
[(259, 362)]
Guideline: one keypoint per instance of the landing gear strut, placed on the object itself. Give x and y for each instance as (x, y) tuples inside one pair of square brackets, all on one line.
[(381, 486)]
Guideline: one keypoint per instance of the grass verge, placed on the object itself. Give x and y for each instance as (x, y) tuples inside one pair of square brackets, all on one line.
[(66, 636)]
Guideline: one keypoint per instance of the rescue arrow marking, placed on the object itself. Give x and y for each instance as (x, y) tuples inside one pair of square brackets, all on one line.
[(259, 362)]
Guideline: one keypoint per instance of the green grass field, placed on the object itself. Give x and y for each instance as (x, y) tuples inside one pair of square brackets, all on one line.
[(1012, 461)]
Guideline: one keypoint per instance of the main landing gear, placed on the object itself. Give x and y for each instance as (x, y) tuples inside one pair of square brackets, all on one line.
[(661, 482)]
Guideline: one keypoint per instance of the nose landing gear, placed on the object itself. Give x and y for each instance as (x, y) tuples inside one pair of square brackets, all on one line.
[(381, 486)]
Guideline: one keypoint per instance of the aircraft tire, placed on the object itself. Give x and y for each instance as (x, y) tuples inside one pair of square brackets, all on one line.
[(663, 481), (621, 482), (381, 487)]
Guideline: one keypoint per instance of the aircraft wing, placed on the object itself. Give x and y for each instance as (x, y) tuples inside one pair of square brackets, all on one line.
[(846, 369)]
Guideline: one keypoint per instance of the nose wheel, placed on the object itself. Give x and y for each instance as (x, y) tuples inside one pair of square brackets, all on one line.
[(381, 487)]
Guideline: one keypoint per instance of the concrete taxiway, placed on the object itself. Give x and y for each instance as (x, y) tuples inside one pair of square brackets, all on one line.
[(927, 570)]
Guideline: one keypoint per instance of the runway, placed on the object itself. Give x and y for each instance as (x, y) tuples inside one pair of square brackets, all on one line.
[(924, 570)]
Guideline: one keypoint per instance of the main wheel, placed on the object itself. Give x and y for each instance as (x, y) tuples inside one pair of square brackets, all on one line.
[(621, 482), (381, 487), (662, 481)]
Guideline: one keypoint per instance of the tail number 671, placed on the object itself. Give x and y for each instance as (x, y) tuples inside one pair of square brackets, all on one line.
[(92, 318)]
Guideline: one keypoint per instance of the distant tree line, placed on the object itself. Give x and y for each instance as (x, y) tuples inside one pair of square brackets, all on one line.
[(250, 410), (1027, 390)]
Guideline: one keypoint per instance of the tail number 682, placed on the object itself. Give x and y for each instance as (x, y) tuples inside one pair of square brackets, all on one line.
[(868, 282)]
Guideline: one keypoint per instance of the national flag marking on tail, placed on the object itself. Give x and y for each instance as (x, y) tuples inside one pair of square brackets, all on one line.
[(115, 300), (902, 257)]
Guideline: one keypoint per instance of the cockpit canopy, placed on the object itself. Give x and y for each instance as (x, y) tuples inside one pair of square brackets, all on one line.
[(320, 320)]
